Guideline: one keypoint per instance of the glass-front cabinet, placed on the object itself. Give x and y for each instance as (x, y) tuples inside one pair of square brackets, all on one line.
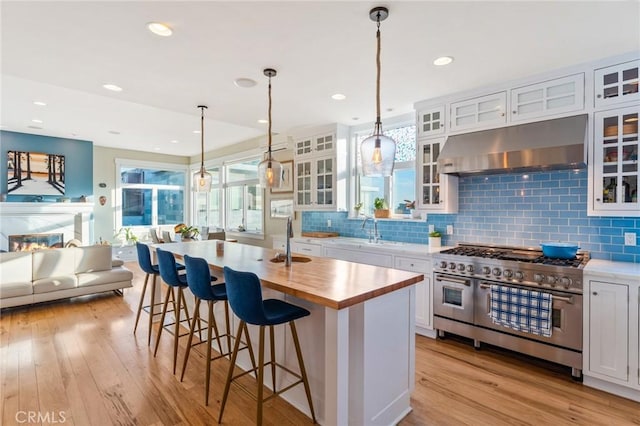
[(314, 183), (479, 113), (616, 84), (616, 171), (436, 191)]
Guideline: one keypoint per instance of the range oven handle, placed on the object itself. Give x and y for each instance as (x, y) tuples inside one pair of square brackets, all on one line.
[(454, 280), (485, 286)]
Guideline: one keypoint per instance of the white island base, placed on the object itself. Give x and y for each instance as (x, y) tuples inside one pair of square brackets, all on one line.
[(360, 360)]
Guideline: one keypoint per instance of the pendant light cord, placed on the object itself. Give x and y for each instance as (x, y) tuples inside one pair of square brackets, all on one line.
[(378, 125), (202, 141), (269, 131)]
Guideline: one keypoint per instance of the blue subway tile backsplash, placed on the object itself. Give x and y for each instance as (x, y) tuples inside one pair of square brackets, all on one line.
[(511, 209)]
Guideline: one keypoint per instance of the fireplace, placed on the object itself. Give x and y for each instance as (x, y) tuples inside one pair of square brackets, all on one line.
[(31, 242)]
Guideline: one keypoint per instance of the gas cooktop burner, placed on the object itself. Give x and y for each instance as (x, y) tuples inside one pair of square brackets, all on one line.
[(515, 254)]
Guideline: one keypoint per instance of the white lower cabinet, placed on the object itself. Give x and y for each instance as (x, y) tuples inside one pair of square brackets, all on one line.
[(611, 359), (424, 317), (358, 256), (306, 248)]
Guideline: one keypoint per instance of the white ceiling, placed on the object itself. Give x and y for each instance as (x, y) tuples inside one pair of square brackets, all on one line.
[(63, 52)]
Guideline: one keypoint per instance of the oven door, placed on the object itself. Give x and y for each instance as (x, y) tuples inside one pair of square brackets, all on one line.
[(566, 317), (453, 297)]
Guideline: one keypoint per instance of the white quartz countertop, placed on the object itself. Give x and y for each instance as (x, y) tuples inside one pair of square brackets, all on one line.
[(391, 247), (611, 269)]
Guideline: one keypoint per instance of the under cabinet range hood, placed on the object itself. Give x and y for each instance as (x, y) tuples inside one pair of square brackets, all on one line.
[(552, 144)]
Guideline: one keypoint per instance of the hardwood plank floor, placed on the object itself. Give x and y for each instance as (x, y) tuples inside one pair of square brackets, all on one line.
[(78, 359)]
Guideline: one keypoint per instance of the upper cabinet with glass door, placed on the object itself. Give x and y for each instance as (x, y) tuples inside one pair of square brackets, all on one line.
[(552, 97), (478, 113), (436, 191), (431, 122), (616, 84), (616, 171)]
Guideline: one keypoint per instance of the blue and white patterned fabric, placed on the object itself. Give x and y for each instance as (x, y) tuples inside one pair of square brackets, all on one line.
[(523, 310)]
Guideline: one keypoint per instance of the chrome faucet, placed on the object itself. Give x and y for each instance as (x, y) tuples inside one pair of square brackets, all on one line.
[(374, 237), (287, 260)]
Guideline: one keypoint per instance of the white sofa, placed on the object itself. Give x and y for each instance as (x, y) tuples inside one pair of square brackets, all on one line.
[(40, 276)]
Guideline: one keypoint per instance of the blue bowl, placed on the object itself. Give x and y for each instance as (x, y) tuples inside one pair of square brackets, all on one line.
[(559, 250)]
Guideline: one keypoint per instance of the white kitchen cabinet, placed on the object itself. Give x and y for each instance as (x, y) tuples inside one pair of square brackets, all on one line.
[(551, 97), (431, 121), (436, 191), (306, 248), (359, 256), (611, 338), (616, 84), (615, 167), (424, 316), (320, 170), (478, 113)]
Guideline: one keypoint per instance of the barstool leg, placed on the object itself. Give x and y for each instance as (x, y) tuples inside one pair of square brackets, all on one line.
[(241, 327), (215, 327), (273, 358), (144, 290), (151, 307), (260, 376), (196, 317), (228, 326), (162, 317), (249, 346), (176, 329), (303, 371), (209, 326)]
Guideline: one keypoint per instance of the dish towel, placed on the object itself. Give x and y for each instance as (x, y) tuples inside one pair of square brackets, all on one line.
[(523, 310)]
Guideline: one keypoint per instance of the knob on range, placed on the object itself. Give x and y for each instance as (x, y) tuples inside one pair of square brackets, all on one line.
[(452, 266), (551, 280), (486, 270), (461, 267), (496, 272), (519, 275), (538, 277), (508, 273), (443, 265), (566, 282)]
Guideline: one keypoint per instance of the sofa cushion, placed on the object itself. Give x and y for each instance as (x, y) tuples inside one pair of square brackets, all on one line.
[(92, 259), (15, 267), (61, 282), (15, 289), (104, 277), (53, 263)]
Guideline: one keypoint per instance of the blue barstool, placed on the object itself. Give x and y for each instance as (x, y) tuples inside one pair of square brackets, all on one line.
[(245, 296), (199, 281), (169, 273), (144, 261)]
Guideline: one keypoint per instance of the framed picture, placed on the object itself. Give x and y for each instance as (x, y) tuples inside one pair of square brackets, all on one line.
[(281, 209), (287, 179)]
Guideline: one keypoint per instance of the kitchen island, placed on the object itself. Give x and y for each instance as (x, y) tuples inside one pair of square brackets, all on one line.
[(358, 343)]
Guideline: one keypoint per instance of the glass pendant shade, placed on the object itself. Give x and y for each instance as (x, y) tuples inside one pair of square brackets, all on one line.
[(270, 173), (201, 181), (377, 153)]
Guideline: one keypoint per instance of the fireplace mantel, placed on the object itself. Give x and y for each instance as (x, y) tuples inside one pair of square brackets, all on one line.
[(12, 209), (74, 220)]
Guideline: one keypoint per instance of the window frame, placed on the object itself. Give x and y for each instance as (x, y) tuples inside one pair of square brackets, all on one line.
[(121, 163)]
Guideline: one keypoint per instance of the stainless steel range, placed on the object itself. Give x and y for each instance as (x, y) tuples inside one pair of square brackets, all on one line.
[(463, 277)]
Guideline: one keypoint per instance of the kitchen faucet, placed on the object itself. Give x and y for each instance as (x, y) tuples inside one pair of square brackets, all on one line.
[(374, 237), (287, 260)]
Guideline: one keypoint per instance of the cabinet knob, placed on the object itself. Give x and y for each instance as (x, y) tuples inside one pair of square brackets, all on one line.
[(595, 293), (599, 96), (515, 112), (598, 199), (412, 264), (502, 114)]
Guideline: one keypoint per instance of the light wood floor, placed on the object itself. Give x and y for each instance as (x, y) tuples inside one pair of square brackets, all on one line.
[(77, 360)]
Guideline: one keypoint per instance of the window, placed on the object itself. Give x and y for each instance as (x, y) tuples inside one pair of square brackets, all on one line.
[(150, 195), (207, 207), (244, 197), (397, 188)]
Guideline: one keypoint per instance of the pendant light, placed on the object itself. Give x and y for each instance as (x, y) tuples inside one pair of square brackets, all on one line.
[(378, 151), (270, 170), (201, 178)]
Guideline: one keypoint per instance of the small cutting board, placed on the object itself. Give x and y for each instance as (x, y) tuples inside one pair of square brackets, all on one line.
[(320, 234)]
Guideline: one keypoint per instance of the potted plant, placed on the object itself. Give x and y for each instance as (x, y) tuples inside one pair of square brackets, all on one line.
[(186, 232), (126, 236), (357, 208), (381, 209), (435, 239)]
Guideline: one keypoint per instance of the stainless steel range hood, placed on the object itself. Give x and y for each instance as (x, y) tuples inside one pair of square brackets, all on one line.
[(545, 145)]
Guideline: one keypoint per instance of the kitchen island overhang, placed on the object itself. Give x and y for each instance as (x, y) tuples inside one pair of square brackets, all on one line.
[(358, 342)]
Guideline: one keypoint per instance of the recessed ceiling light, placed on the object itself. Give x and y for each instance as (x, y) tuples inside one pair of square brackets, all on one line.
[(158, 28), (244, 82), (39, 103), (338, 97), (443, 60), (263, 121), (157, 148), (35, 127), (35, 120), (112, 87), (197, 132), (114, 132), (175, 141)]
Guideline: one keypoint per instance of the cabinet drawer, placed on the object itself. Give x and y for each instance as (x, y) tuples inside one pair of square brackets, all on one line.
[(368, 258), (305, 248), (413, 265)]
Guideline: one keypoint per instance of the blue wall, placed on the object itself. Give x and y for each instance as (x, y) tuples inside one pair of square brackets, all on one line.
[(78, 162), (509, 209)]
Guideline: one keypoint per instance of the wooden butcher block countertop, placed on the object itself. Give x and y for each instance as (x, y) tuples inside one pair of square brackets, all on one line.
[(328, 282), (314, 234)]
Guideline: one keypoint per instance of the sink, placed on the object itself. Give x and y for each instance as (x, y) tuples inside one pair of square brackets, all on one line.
[(281, 259)]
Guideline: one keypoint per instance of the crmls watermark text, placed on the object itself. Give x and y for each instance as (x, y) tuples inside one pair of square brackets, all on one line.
[(51, 417)]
